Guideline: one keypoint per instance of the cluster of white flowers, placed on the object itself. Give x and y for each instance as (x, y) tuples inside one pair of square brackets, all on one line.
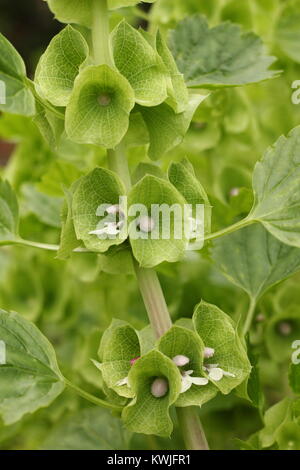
[(160, 386), (114, 227), (214, 372)]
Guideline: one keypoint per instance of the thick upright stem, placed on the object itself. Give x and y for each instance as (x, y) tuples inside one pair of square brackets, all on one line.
[(154, 300), (100, 33), (118, 163), (191, 429)]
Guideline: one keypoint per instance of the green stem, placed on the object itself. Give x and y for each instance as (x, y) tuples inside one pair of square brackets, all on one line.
[(118, 163), (232, 228), (92, 398), (154, 300), (191, 428), (249, 316), (100, 33), (42, 246)]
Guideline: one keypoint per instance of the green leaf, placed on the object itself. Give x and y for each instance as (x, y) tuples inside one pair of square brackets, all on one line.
[(140, 64), (30, 379), (218, 57), (89, 429), (99, 107), (276, 189), (68, 239), (218, 331), (50, 126), (294, 377), (287, 30), (274, 417), (9, 212), (145, 168), (98, 188), (119, 345), (160, 244), (81, 11), (117, 260), (45, 208), (254, 260), (177, 90), (166, 128), (15, 97), (147, 414), (185, 181), (288, 436), (60, 64), (181, 341)]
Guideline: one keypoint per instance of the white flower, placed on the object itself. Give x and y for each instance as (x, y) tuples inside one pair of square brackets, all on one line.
[(216, 373), (159, 387), (146, 224), (208, 352), (123, 382), (187, 381), (110, 228), (180, 360)]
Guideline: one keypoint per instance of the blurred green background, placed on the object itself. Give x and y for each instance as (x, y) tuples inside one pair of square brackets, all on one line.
[(73, 302)]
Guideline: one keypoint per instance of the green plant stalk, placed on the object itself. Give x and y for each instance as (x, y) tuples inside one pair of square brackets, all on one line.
[(149, 285), (191, 428), (232, 228), (100, 34), (92, 398), (249, 316)]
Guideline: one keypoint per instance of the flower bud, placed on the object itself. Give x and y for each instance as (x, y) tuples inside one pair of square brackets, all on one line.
[(159, 387), (180, 360), (208, 352)]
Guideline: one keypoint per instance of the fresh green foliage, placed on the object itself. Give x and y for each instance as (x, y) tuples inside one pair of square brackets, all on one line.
[(60, 64), (255, 260), (18, 97), (220, 56), (99, 106), (136, 117), (30, 378), (275, 184), (9, 212), (140, 64)]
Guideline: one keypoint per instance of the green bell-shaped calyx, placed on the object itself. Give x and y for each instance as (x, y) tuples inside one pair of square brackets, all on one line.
[(226, 362), (140, 63), (156, 222), (186, 349), (59, 66), (98, 217), (99, 107), (119, 349), (155, 382)]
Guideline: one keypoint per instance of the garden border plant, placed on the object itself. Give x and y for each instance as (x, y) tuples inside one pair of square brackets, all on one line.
[(129, 85)]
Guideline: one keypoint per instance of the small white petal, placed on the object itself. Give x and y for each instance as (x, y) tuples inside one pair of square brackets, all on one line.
[(114, 209), (146, 224), (180, 360), (199, 380), (228, 374), (185, 384), (109, 229), (208, 352), (215, 374), (122, 382)]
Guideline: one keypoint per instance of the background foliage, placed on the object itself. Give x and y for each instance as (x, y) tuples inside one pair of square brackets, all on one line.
[(229, 133)]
